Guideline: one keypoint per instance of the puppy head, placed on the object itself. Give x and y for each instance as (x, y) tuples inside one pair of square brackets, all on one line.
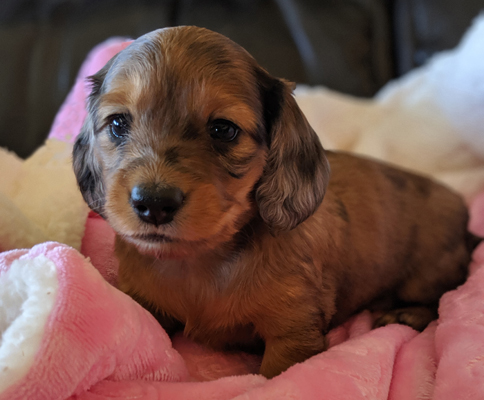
[(187, 139)]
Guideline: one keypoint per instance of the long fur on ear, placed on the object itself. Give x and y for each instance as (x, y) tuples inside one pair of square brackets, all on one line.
[(87, 168), (297, 171)]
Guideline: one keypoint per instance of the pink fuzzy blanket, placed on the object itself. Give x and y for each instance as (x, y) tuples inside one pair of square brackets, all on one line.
[(68, 333)]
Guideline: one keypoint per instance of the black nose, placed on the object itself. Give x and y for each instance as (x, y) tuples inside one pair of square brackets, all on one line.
[(156, 205)]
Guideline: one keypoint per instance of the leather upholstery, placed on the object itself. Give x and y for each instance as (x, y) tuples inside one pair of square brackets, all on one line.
[(353, 46)]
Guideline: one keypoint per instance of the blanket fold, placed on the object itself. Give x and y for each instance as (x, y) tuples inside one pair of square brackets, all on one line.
[(87, 332)]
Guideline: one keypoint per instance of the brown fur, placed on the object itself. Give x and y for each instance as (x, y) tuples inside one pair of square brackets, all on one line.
[(254, 253)]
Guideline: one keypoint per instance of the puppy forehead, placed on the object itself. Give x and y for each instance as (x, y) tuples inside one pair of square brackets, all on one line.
[(184, 70)]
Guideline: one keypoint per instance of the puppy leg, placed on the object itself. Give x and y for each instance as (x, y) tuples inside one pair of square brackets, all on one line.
[(424, 287), (283, 352), (416, 317), (170, 324)]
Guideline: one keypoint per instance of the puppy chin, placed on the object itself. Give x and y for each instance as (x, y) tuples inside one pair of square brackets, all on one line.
[(159, 246)]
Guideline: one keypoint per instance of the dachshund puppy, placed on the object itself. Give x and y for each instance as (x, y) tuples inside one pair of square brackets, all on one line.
[(214, 182)]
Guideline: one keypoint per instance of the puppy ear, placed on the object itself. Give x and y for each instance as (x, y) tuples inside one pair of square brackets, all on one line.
[(297, 171), (87, 169), (86, 166)]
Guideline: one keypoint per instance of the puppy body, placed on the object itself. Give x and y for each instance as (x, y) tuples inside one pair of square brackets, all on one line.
[(292, 288), (253, 253)]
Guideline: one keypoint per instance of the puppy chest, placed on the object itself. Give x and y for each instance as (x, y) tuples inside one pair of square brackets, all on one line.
[(220, 321)]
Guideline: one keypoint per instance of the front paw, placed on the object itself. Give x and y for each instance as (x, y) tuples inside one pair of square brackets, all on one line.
[(282, 353)]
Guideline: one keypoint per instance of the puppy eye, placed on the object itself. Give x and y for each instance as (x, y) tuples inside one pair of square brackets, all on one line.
[(223, 130), (119, 126)]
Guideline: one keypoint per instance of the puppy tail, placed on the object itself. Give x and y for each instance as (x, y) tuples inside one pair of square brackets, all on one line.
[(472, 241)]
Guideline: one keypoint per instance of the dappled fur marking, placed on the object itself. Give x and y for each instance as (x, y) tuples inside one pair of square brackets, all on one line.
[(398, 180), (189, 132), (172, 156), (408, 181), (341, 210)]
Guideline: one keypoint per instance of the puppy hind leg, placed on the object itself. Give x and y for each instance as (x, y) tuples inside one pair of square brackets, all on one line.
[(417, 299), (411, 305), (417, 317)]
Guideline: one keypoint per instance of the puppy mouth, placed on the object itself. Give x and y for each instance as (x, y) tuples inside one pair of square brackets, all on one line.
[(153, 238)]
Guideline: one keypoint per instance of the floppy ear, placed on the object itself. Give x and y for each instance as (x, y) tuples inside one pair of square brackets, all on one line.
[(86, 166), (87, 169), (297, 171)]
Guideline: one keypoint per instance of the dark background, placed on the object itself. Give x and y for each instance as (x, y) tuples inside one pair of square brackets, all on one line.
[(354, 46)]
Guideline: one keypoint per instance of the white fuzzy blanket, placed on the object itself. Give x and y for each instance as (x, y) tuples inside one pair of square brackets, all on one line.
[(430, 121)]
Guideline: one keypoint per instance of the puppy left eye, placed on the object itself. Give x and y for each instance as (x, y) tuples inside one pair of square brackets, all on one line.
[(223, 130), (119, 126)]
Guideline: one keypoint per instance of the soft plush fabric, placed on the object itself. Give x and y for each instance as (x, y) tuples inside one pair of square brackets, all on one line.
[(39, 199), (90, 341), (430, 120), (65, 328), (68, 333)]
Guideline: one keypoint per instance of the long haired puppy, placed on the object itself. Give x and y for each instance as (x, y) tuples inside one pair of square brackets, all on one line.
[(214, 181)]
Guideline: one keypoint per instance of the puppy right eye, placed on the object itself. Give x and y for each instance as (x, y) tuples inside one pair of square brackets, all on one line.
[(119, 126)]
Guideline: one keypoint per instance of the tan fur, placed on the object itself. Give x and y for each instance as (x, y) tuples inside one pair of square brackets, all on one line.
[(254, 253)]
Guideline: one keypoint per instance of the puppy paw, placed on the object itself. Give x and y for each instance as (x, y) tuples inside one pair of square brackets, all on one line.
[(416, 317)]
